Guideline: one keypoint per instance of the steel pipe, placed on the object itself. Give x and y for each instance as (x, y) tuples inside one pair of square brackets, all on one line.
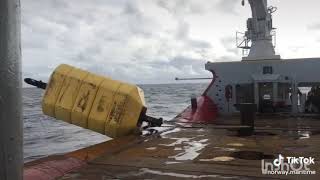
[(11, 156), (185, 79)]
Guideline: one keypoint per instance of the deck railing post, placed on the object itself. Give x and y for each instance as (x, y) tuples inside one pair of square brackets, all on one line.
[(11, 162)]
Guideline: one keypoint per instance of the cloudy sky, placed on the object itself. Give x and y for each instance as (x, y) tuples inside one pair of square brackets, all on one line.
[(153, 41)]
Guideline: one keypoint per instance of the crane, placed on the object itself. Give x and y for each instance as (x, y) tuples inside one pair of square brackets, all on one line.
[(259, 31)]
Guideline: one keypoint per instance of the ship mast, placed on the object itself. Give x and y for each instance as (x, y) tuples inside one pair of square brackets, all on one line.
[(260, 32)]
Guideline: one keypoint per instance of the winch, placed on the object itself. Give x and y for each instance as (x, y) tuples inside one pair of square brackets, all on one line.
[(94, 102)]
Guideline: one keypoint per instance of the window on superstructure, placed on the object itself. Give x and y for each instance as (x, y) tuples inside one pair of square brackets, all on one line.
[(267, 70)]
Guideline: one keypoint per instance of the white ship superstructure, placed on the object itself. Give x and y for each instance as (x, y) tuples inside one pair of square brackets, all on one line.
[(262, 77)]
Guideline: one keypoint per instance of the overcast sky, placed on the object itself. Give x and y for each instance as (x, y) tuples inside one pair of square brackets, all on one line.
[(153, 41)]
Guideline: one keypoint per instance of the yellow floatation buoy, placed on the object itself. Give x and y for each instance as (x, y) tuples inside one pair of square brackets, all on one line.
[(94, 102)]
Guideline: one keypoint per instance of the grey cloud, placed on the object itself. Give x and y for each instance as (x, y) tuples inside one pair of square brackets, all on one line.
[(228, 40), (183, 34), (110, 37), (228, 6), (132, 9), (183, 66), (137, 22), (230, 44), (180, 61), (185, 7), (183, 30), (315, 26), (295, 48), (199, 44), (228, 58)]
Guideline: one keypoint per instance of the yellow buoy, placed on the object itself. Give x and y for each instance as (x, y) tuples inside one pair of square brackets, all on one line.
[(94, 102), (68, 94), (53, 89)]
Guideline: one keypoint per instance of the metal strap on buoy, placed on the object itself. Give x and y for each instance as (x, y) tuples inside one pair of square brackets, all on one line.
[(94, 102)]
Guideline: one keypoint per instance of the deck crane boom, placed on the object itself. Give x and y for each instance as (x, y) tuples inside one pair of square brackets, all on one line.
[(259, 29)]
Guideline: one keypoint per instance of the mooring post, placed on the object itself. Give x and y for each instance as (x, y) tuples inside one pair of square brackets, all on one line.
[(194, 103), (248, 113), (11, 163)]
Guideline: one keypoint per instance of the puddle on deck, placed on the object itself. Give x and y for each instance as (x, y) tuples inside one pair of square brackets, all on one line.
[(235, 144), (190, 150), (151, 148), (172, 162), (189, 147), (220, 158), (171, 131), (144, 171), (225, 149), (251, 155)]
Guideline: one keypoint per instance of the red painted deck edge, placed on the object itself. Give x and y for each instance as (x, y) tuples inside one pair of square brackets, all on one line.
[(206, 112), (52, 169)]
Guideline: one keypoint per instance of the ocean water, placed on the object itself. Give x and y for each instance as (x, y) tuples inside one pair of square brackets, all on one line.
[(45, 136)]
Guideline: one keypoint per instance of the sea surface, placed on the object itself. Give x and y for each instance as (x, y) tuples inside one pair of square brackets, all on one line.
[(45, 136)]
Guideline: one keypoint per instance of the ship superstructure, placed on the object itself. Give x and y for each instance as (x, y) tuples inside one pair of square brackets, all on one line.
[(262, 77)]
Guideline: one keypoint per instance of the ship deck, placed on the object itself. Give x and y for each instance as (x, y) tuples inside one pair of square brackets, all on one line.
[(199, 151)]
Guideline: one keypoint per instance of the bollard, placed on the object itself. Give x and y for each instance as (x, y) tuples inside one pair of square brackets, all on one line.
[(194, 103), (248, 113)]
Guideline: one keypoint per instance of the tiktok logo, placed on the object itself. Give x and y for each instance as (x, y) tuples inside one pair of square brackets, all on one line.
[(279, 161), (288, 166)]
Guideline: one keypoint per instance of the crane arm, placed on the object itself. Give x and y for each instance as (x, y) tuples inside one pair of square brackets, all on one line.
[(259, 9), (259, 28)]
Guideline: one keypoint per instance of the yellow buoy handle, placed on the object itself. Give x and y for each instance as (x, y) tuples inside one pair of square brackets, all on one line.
[(33, 82)]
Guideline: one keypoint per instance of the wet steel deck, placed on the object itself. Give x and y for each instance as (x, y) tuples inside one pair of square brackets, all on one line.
[(203, 151)]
